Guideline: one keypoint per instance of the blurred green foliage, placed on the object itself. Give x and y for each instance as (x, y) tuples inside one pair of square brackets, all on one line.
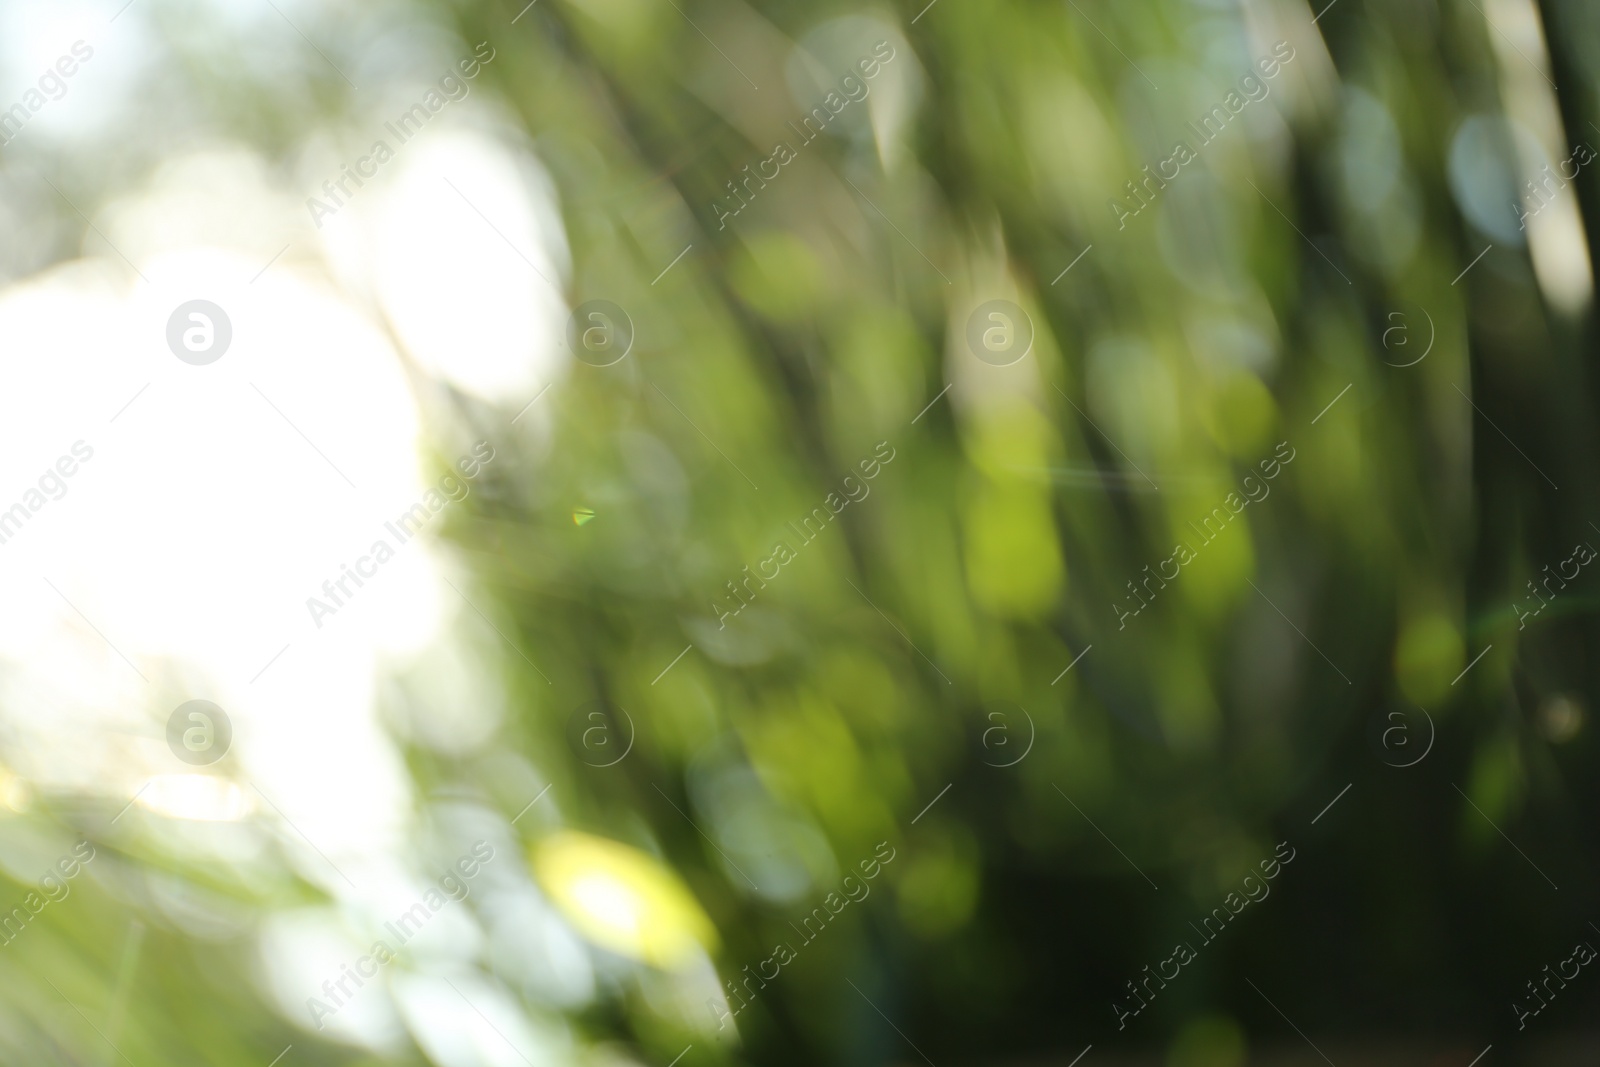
[(999, 544)]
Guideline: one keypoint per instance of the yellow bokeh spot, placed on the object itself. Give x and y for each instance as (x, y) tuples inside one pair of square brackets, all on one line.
[(1013, 559), (1219, 572), (1011, 443), (1241, 416), (14, 792), (1208, 1041), (1429, 653), (623, 899), (195, 797), (938, 891), (777, 274)]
